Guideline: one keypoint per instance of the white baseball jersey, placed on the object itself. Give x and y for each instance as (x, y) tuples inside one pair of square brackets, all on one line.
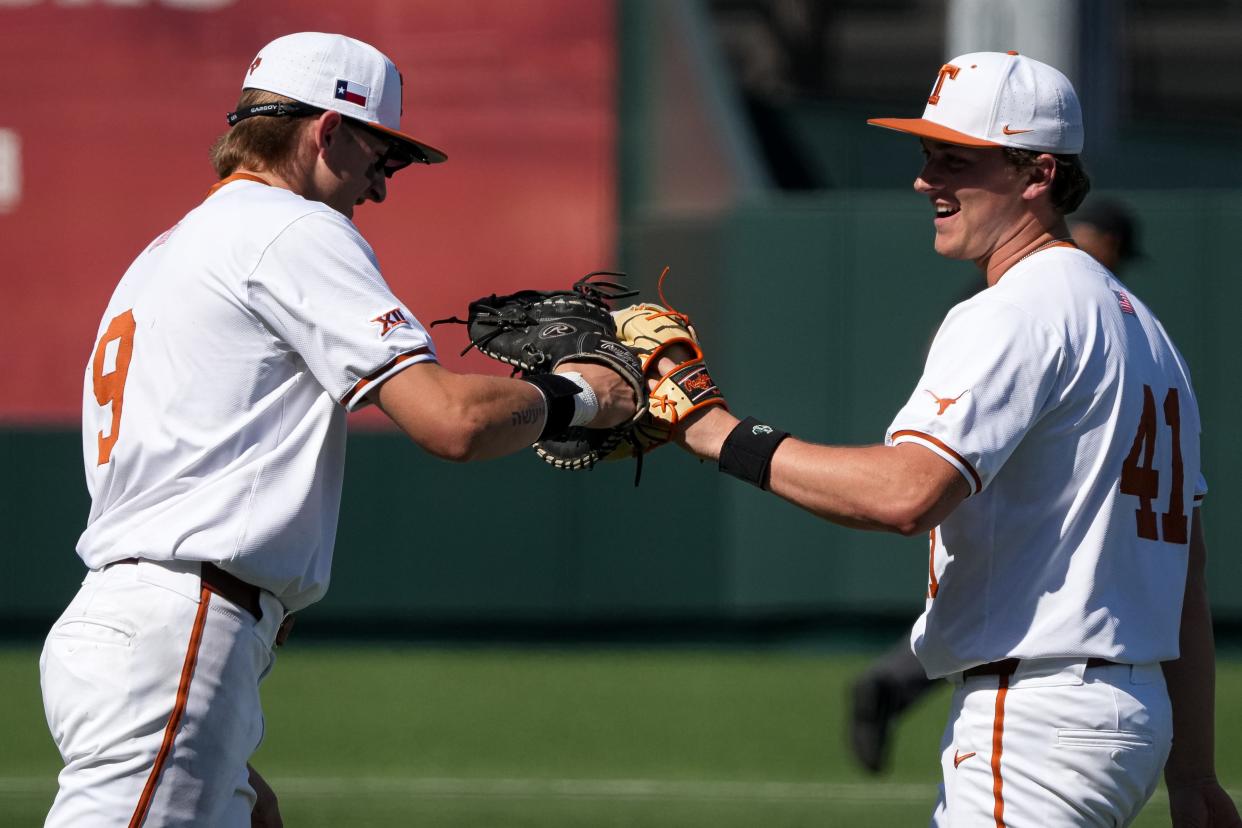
[(1070, 414), (214, 404)]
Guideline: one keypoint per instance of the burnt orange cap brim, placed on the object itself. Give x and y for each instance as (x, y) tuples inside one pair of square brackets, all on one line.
[(930, 129), (433, 155)]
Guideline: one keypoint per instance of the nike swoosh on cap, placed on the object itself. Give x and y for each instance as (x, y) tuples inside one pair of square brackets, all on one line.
[(1005, 129)]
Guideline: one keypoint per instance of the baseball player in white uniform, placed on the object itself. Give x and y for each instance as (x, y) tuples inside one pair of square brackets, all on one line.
[(1051, 450), (214, 419)]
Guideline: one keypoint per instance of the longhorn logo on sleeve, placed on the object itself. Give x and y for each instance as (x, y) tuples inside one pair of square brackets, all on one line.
[(390, 321), (944, 402)]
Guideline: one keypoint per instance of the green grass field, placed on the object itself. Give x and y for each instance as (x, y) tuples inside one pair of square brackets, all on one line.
[(388, 736)]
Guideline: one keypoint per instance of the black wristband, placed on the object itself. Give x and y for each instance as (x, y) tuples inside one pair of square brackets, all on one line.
[(747, 451), (559, 392)]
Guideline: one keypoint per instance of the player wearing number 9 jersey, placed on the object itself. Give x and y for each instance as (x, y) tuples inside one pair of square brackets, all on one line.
[(190, 308), (1051, 449), (214, 418)]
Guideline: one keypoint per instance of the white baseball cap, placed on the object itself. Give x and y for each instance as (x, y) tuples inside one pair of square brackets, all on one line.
[(999, 99), (337, 73)]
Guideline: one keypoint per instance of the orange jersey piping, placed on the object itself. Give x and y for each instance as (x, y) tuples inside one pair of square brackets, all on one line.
[(174, 719), (370, 378), (236, 177), (974, 475), (998, 733)]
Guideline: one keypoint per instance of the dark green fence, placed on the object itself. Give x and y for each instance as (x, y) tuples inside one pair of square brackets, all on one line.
[(814, 313)]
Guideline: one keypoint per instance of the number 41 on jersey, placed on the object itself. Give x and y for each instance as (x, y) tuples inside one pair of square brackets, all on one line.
[(1139, 477)]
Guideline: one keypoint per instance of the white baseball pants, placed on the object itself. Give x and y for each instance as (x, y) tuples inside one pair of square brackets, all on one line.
[(1054, 745), (151, 690)]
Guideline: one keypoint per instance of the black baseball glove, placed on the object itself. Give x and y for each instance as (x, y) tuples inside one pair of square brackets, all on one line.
[(535, 331)]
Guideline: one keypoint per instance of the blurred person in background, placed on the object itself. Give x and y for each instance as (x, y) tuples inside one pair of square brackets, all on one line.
[(214, 422), (1051, 453), (1109, 232)]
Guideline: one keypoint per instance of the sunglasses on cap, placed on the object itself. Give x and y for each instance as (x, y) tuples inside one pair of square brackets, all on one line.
[(397, 155)]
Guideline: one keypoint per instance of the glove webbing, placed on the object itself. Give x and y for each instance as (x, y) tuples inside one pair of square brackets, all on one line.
[(597, 292)]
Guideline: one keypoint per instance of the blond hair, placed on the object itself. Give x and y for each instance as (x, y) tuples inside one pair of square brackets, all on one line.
[(262, 144)]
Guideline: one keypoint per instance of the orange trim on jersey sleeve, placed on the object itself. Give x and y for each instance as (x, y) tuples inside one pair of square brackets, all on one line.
[(178, 711), (933, 586), (998, 733), (236, 177), (974, 475), (389, 365)]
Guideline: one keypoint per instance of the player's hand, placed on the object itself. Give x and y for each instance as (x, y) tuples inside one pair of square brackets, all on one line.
[(617, 400), (266, 811), (670, 358), (1202, 805), (702, 432)]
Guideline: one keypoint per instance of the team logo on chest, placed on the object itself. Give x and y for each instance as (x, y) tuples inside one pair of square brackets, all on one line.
[(944, 402), (390, 321)]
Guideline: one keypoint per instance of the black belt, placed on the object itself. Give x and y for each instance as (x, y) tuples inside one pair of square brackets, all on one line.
[(1009, 666), (228, 587)]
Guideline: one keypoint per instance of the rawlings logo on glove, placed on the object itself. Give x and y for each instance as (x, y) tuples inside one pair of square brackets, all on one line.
[(535, 331), (559, 329)]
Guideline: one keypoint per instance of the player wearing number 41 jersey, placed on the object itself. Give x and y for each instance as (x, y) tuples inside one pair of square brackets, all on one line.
[(1056, 360), (1051, 450), (214, 419)]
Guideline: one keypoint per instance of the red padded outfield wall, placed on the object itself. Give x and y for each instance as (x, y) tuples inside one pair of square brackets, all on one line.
[(109, 107)]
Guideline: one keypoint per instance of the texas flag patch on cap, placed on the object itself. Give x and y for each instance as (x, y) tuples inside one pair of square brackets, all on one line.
[(355, 93)]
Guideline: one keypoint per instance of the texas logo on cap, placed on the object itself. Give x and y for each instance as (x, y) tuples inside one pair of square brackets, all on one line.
[(998, 99), (338, 74), (355, 93)]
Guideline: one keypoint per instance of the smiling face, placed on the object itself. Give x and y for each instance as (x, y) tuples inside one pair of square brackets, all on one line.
[(978, 198)]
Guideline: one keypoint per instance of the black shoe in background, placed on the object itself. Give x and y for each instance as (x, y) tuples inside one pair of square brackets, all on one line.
[(872, 709)]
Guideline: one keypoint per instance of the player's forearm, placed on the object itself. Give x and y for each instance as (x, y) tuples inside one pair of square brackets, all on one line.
[(884, 488), (901, 489), (464, 417), (1191, 679), (497, 418)]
